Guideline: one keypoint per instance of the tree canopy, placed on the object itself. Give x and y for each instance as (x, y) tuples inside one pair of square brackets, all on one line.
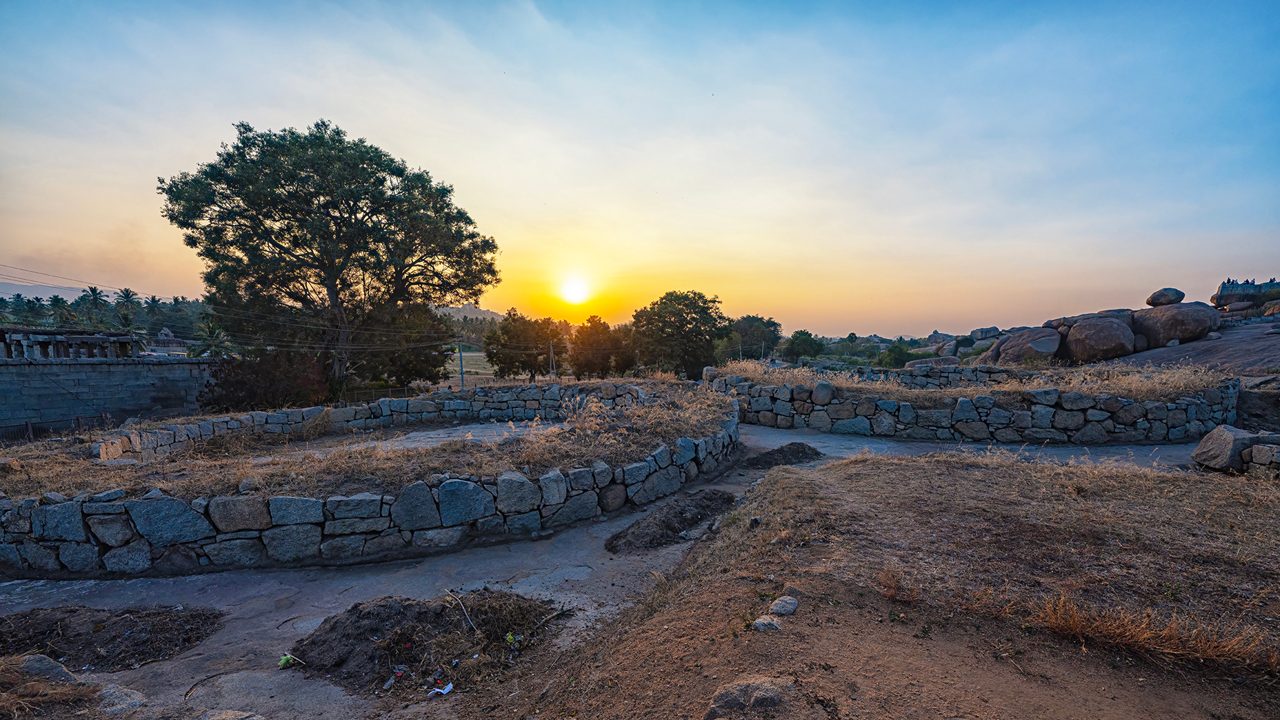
[(802, 343), (318, 243), (591, 352), (678, 331), (520, 345)]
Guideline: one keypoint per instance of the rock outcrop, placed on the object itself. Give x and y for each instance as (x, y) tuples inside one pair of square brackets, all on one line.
[(1099, 338), (1183, 322)]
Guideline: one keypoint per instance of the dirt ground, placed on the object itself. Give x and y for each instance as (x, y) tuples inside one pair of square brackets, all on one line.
[(793, 453), (671, 523), (923, 585), (89, 639)]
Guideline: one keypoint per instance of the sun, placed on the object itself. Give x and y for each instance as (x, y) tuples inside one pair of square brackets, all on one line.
[(574, 290)]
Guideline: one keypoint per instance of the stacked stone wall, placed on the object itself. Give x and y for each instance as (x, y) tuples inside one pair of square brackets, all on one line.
[(1038, 416), (112, 534), (1262, 461)]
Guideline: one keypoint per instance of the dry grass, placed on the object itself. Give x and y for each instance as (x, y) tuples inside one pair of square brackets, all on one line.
[(617, 436), (1175, 566), (22, 696), (1139, 383), (1160, 636)]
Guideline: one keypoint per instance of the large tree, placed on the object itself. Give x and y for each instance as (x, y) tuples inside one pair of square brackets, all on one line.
[(520, 345), (312, 240), (678, 332), (802, 343)]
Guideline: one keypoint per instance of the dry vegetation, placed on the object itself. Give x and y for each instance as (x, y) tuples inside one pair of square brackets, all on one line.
[(1138, 383), (22, 696), (593, 432), (953, 585)]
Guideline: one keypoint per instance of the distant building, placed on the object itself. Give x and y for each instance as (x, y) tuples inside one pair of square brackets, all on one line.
[(17, 343), (164, 343)]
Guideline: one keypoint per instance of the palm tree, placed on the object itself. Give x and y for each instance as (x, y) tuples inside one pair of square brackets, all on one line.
[(211, 341), (61, 311), (127, 307), (95, 301)]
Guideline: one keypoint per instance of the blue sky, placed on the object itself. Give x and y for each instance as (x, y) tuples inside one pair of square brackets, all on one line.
[(876, 167)]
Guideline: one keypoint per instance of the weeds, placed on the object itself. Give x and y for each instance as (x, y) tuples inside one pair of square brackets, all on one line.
[(23, 696)]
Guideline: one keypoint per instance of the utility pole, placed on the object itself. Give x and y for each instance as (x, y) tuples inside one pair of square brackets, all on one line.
[(551, 359), (462, 370)]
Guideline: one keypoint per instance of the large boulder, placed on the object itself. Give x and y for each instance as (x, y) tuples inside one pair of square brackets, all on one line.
[(1063, 324), (1271, 308), (1166, 296), (1100, 338), (1221, 448), (1035, 344), (1183, 322)]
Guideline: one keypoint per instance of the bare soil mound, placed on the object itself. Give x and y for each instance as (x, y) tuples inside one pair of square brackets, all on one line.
[(89, 639), (794, 453), (406, 647), (669, 524)]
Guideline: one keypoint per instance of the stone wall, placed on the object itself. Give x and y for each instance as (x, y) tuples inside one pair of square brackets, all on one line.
[(53, 393), (938, 376), (1036, 416), (112, 534), (548, 402), (1262, 461)]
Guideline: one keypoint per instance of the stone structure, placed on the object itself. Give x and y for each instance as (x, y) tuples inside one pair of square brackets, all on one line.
[(548, 402), (112, 534), (1037, 416), (23, 343), (53, 393)]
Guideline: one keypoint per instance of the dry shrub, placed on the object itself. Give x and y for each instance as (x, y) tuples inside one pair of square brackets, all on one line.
[(1166, 382), (1161, 636), (22, 696), (892, 588)]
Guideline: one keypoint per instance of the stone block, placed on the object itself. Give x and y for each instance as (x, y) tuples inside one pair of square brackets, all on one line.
[(462, 501), (58, 522), (613, 497), (39, 557), (581, 507), (554, 487), (236, 553), (79, 557), (351, 526), (363, 505), (343, 548), (853, 426), (287, 510), (441, 537), (111, 530), (167, 521), (291, 543), (415, 508), (525, 523), (518, 494), (241, 512), (130, 559)]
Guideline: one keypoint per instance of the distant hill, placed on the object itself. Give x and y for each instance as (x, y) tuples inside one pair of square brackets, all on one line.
[(470, 312)]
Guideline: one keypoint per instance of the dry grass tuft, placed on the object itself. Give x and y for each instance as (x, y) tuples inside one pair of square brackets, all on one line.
[(1160, 636), (22, 696), (1138, 383), (892, 588)]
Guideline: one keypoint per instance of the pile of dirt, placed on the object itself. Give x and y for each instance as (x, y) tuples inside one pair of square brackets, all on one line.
[(90, 639), (670, 523), (396, 645), (794, 453)]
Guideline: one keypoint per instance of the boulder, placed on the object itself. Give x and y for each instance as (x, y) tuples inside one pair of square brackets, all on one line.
[(984, 333), (1100, 338), (1239, 305), (613, 497), (1271, 308), (45, 668), (749, 696), (1221, 448), (1036, 344), (1183, 322), (1165, 296)]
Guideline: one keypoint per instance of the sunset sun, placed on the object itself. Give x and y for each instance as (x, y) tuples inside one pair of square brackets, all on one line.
[(574, 290)]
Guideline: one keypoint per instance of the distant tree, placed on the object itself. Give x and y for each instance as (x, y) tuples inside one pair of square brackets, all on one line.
[(128, 309), (410, 346), (898, 354), (758, 336), (520, 345), (4, 310), (312, 240), (95, 305), (728, 347), (591, 350), (211, 341), (61, 313), (678, 331), (802, 343), (622, 339)]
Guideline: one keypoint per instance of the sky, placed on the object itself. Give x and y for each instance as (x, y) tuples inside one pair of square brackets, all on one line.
[(887, 168)]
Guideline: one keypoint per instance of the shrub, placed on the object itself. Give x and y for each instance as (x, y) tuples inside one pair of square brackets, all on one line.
[(265, 380)]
